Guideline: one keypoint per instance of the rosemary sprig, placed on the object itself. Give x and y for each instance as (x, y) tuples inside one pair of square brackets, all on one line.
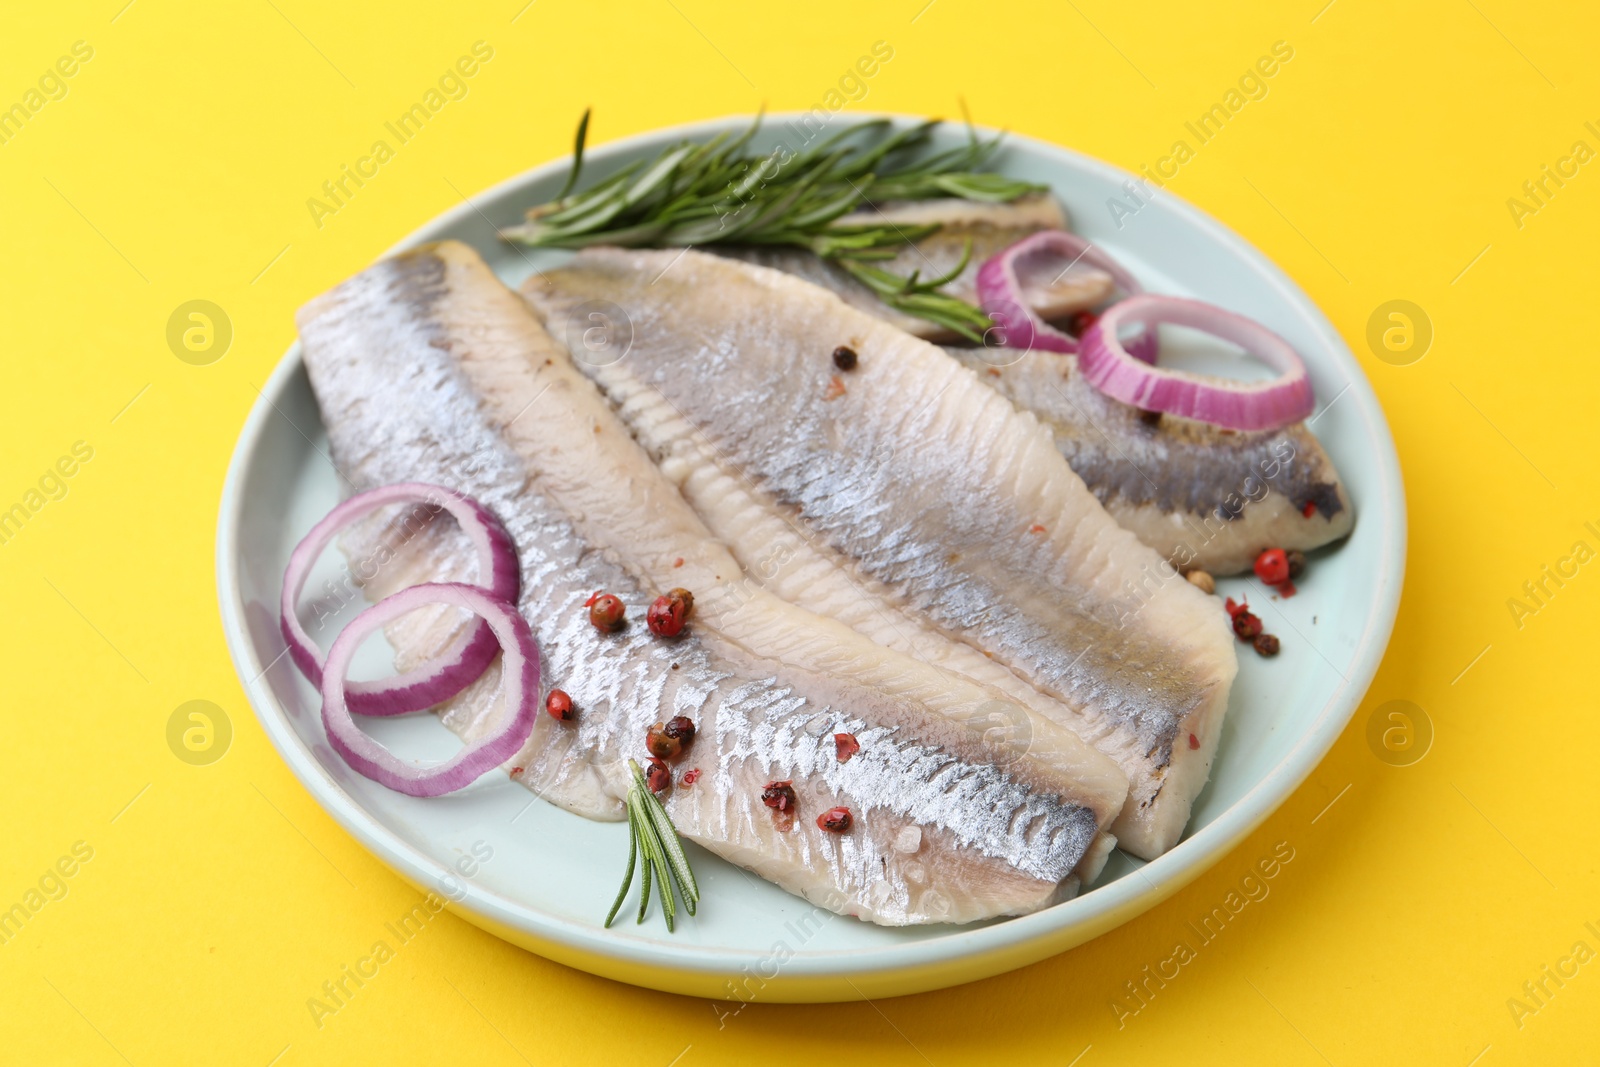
[(653, 838), (720, 192)]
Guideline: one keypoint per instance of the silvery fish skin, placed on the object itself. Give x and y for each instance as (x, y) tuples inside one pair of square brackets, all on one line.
[(1202, 496), (990, 228), (427, 368), (779, 556), (910, 472)]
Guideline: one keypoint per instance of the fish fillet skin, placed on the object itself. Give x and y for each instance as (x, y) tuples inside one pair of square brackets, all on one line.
[(1200, 495), (426, 368), (990, 227), (779, 557), (910, 472)]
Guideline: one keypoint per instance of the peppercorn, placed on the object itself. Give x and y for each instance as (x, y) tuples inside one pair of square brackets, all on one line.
[(1266, 644), (691, 776), (657, 776), (559, 705), (845, 746), (835, 820), (606, 612), (669, 612), (844, 358), (659, 744), (1202, 581), (1272, 566), (1150, 418), (681, 729), (779, 795), (1246, 624), (1297, 562), (1310, 508)]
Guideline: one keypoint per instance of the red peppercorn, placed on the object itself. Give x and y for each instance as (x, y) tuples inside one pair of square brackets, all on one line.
[(1079, 323), (835, 820), (1194, 742), (1310, 509), (657, 776), (845, 746), (1272, 566), (606, 612), (779, 795), (559, 705), (690, 777), (659, 744), (681, 729), (669, 612), (1247, 625)]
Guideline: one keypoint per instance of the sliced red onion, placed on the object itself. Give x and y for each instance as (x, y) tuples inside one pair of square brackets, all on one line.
[(456, 667), (1000, 291), (519, 680), (1108, 366)]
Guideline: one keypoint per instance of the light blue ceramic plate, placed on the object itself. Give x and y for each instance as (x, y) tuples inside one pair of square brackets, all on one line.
[(550, 875)]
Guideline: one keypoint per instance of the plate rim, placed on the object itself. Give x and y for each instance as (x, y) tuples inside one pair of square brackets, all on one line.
[(839, 974)]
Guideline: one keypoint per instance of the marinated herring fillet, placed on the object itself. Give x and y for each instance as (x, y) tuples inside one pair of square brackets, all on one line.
[(427, 368), (927, 488), (989, 227), (1200, 495), (779, 557)]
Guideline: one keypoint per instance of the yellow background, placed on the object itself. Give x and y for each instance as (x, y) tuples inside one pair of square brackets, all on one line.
[(1378, 167)]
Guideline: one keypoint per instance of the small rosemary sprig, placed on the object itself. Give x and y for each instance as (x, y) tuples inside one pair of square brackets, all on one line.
[(652, 837), (720, 192)]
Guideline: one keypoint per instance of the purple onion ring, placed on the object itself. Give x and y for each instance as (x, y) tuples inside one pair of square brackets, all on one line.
[(519, 677), (469, 655), (1110, 368)]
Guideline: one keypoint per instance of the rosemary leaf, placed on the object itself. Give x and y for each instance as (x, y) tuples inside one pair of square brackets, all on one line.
[(672, 847), (644, 852), (627, 876), (577, 160)]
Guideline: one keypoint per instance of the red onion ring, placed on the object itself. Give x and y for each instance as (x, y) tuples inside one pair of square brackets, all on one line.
[(1000, 292), (1109, 367), (519, 676), (458, 666)]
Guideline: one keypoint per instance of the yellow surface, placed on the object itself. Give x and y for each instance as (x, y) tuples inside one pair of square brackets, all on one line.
[(218, 898)]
